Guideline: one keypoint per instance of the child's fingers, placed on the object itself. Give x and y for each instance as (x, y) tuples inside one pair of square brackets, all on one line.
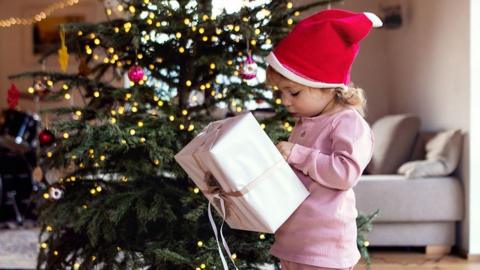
[(281, 150), (279, 146)]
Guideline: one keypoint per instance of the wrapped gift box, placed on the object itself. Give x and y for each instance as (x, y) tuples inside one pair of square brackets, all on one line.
[(234, 158)]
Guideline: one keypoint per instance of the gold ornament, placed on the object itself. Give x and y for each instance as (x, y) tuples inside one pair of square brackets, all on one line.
[(63, 53)]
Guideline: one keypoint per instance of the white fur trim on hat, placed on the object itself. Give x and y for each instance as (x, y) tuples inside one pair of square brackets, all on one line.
[(275, 64), (376, 22)]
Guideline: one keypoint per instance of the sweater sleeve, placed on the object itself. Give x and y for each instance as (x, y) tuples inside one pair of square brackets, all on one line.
[(351, 151)]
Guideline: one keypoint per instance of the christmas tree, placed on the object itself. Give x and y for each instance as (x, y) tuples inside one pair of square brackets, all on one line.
[(121, 201)]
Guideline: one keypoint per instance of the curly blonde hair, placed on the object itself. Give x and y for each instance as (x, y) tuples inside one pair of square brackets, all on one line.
[(350, 96)]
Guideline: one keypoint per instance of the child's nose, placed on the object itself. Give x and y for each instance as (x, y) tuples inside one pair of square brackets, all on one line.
[(286, 101)]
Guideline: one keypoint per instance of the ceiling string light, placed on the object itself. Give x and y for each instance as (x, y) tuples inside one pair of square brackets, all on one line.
[(4, 23)]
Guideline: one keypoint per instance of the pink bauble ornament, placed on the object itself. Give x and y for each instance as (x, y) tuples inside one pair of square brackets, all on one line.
[(248, 69), (135, 73)]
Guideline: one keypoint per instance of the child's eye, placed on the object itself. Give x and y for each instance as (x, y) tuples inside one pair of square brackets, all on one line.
[(295, 94)]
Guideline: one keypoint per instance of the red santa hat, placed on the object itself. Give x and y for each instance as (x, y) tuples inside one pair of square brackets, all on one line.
[(320, 49)]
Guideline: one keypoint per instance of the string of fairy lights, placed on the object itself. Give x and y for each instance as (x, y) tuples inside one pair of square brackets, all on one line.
[(111, 57), (42, 15)]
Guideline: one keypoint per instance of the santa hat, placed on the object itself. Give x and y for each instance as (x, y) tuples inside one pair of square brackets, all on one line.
[(320, 49)]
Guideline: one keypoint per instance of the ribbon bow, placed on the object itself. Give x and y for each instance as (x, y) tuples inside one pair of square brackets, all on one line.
[(215, 188)]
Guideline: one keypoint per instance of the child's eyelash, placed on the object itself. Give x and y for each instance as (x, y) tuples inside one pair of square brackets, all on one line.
[(295, 94)]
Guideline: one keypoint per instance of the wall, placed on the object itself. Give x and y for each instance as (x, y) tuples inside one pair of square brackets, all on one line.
[(428, 61), (430, 74), (16, 44)]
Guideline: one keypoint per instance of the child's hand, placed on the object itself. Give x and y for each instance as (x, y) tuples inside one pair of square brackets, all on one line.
[(285, 148)]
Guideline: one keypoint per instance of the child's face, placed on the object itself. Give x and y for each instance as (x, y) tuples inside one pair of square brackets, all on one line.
[(301, 100)]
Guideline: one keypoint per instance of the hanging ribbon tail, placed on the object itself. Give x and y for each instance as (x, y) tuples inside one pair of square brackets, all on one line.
[(225, 245), (214, 227)]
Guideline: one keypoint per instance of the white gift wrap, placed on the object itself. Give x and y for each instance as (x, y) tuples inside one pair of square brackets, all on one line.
[(237, 152)]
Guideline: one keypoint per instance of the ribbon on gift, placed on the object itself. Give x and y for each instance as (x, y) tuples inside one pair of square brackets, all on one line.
[(215, 231), (214, 188)]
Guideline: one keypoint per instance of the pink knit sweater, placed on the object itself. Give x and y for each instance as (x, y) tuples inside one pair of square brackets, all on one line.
[(329, 154)]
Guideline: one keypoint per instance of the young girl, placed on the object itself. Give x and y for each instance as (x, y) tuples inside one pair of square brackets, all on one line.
[(331, 143)]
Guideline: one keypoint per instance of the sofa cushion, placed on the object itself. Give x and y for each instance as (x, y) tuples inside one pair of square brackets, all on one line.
[(412, 234), (423, 137), (402, 200), (394, 138), (443, 154)]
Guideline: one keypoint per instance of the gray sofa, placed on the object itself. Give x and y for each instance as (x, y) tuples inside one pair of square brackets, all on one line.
[(414, 211)]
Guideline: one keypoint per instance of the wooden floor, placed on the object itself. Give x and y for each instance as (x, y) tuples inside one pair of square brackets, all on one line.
[(401, 259)]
